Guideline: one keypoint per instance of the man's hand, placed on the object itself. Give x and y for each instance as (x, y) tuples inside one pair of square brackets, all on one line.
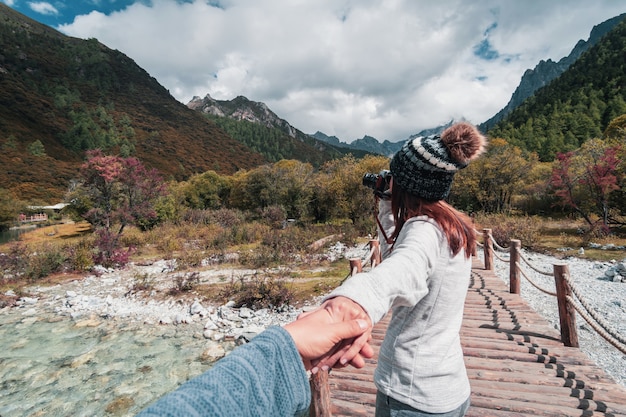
[(350, 350)]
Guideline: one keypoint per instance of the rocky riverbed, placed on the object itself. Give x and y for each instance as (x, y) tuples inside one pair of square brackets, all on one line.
[(94, 346)]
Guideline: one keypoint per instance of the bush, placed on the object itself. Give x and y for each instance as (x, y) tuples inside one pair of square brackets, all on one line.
[(185, 283), (47, 260), (258, 292), (527, 229), (14, 262), (80, 256), (109, 253)]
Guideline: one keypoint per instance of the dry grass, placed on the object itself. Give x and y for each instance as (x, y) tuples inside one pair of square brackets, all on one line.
[(62, 233), (558, 237)]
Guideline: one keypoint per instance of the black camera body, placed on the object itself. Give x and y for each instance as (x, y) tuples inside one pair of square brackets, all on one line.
[(378, 182)]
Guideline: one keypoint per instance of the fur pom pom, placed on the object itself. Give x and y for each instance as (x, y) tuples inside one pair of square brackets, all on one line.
[(464, 142)]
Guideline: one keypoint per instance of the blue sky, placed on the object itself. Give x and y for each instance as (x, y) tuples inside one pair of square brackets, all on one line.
[(349, 68)]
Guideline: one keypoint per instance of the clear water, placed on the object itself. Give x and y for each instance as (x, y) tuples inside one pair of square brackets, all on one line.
[(11, 234), (58, 367)]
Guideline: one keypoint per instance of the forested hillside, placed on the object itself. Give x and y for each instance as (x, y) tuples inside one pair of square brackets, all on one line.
[(260, 129), (61, 96), (575, 107)]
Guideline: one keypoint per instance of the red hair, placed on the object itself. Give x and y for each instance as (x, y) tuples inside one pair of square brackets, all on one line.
[(456, 226)]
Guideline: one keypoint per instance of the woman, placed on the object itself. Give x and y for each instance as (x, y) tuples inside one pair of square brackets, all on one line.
[(423, 280)]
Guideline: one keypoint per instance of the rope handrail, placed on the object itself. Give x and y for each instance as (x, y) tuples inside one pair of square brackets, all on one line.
[(549, 274), (499, 258), (519, 267), (606, 327), (596, 326), (589, 314), (496, 245)]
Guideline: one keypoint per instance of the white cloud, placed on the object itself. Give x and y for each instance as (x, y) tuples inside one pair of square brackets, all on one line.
[(43, 8), (386, 68)]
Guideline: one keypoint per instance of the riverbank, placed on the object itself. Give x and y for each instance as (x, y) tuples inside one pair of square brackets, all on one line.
[(93, 346)]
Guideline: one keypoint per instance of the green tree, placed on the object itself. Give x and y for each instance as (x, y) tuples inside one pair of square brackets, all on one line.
[(9, 209), (37, 149), (206, 191), (490, 183), (286, 183), (339, 192)]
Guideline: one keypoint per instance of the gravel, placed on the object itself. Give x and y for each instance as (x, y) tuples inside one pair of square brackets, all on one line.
[(597, 285)]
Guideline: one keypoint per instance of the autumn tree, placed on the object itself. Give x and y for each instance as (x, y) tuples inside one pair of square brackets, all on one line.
[(115, 192), (339, 192), (584, 180), (208, 190), (490, 183), (286, 183)]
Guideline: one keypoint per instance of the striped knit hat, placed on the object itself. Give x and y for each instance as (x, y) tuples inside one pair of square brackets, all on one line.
[(425, 166)]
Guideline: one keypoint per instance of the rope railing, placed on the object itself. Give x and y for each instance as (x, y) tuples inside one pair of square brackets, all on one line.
[(533, 283), (549, 274), (617, 342), (564, 290)]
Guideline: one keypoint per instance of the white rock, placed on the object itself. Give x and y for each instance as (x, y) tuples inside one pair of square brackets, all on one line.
[(165, 320), (210, 325), (195, 308)]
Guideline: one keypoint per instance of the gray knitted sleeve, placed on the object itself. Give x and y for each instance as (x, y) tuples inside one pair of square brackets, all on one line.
[(265, 377)]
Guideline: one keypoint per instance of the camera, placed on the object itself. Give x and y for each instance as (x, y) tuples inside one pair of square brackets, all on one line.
[(378, 182)]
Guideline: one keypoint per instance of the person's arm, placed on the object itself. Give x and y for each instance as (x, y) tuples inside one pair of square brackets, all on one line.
[(265, 377), (401, 279)]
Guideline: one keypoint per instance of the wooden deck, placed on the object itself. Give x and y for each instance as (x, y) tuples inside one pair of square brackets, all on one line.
[(515, 361)]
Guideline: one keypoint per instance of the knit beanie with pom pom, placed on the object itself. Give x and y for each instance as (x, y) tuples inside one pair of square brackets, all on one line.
[(425, 166)]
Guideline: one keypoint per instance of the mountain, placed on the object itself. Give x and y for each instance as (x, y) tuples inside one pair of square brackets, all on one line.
[(576, 106), (259, 128), (60, 96), (373, 145), (547, 71)]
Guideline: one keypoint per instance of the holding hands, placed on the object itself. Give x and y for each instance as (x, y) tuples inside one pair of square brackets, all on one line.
[(335, 334)]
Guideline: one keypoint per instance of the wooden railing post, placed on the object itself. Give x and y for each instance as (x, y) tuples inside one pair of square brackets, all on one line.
[(514, 259), (488, 245), (376, 256), (567, 313), (320, 390), (320, 395), (355, 264)]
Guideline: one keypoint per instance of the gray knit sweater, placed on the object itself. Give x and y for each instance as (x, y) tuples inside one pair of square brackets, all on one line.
[(420, 361)]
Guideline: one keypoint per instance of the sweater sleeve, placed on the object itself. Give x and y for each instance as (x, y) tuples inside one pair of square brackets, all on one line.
[(265, 377), (402, 278)]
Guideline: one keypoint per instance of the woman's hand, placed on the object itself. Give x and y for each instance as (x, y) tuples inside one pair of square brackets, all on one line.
[(351, 350)]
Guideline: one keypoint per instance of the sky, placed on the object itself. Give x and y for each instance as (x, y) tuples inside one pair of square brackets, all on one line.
[(347, 68)]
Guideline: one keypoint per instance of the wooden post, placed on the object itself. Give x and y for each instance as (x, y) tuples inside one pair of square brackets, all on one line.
[(488, 245), (355, 263), (514, 259), (376, 256), (320, 395), (567, 314)]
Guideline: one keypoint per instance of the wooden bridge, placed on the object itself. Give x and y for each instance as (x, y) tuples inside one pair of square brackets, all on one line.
[(515, 360)]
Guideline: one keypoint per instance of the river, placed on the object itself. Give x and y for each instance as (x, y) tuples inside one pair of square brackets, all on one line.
[(55, 366)]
